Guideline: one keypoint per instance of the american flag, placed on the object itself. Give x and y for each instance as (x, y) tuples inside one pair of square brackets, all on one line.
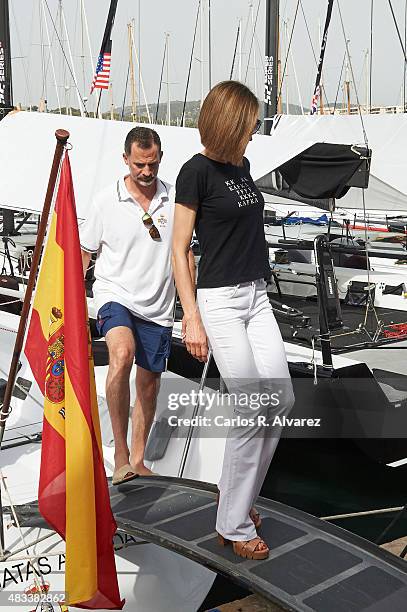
[(102, 75)]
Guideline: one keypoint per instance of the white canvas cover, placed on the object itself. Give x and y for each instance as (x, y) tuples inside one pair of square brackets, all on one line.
[(27, 144)]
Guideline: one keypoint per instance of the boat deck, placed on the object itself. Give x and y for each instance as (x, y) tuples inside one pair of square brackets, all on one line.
[(313, 566), (355, 334)]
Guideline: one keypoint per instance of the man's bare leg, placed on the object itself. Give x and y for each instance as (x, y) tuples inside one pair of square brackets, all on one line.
[(147, 387), (121, 345)]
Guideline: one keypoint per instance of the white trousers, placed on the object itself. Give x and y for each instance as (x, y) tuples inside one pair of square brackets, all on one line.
[(249, 352)]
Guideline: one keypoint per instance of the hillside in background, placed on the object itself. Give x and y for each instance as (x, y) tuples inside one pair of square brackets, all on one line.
[(191, 112)]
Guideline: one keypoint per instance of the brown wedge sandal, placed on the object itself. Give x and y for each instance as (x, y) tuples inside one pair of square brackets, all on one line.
[(254, 515), (248, 549)]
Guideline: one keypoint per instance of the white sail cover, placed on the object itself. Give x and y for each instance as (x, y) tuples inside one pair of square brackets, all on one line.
[(27, 144)]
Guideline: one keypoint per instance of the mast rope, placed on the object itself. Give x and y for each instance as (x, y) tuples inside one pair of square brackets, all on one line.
[(234, 52), (251, 42), (44, 80), (161, 81), (405, 60), (339, 83), (288, 52), (353, 79), (66, 59), (125, 90), (371, 57), (38, 577), (398, 31), (190, 64), (22, 57), (323, 92)]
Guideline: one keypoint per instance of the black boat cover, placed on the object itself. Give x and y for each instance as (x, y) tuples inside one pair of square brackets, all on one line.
[(320, 173), (324, 170)]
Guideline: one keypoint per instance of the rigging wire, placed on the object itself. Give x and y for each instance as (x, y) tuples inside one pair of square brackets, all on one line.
[(66, 60), (353, 76), (339, 83), (369, 301), (252, 39), (323, 92), (261, 53), (50, 58), (234, 53), (403, 47), (190, 65), (405, 62), (371, 56), (82, 46), (50, 47), (125, 91), (398, 31), (246, 30), (288, 52), (210, 45), (44, 80), (161, 81), (27, 82)]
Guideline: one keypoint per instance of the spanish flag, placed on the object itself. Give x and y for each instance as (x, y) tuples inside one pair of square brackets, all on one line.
[(73, 494)]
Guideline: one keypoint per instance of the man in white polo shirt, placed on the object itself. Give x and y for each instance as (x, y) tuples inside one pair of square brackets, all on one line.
[(129, 226)]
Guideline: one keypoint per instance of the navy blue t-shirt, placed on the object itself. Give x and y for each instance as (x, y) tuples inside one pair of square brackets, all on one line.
[(229, 221)]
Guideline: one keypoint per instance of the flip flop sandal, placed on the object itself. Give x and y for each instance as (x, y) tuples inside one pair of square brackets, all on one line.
[(123, 474)]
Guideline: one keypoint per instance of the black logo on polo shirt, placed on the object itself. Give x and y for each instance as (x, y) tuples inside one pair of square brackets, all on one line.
[(245, 195)]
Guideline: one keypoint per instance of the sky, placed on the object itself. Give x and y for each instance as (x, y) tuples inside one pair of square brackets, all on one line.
[(155, 18)]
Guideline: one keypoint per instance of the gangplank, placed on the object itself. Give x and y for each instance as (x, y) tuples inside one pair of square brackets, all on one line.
[(313, 565)]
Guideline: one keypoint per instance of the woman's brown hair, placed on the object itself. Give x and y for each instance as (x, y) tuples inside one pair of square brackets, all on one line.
[(226, 121)]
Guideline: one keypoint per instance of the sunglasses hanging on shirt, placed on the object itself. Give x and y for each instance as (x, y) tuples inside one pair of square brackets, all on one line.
[(257, 126), (149, 224)]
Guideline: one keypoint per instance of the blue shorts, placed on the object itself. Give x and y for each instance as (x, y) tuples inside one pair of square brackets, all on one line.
[(153, 341)]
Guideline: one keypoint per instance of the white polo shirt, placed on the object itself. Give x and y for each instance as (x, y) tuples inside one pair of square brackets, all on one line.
[(132, 268)]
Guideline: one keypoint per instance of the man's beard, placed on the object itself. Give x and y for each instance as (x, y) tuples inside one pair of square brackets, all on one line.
[(146, 183)]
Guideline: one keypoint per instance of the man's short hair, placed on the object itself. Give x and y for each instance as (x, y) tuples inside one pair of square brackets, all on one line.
[(144, 137)]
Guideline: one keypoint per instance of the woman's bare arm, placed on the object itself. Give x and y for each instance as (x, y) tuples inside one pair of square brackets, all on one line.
[(195, 336), (192, 267)]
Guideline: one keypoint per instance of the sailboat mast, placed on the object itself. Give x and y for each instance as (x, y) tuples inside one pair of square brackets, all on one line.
[(254, 48), (6, 94), (347, 86), (131, 69), (201, 53), (168, 80), (271, 63)]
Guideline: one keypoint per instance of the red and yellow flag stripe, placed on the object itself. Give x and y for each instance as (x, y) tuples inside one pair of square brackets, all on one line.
[(73, 493)]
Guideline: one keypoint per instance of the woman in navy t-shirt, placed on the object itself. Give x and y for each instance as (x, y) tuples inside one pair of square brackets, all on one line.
[(216, 196)]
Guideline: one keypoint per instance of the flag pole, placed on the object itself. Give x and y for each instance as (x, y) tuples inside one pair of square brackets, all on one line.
[(98, 106), (62, 137)]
